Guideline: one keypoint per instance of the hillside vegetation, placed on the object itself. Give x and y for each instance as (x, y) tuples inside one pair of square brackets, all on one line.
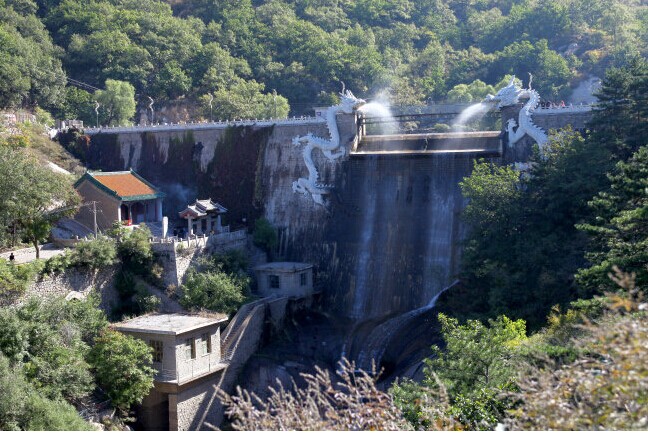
[(258, 58)]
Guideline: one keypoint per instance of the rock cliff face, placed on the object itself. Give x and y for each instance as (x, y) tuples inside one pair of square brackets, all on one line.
[(386, 242)]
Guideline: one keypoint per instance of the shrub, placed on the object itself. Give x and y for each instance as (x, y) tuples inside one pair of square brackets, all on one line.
[(22, 408), (134, 297), (264, 236), (57, 264), (424, 407), (441, 127), (122, 365), (43, 117), (604, 389), (14, 278), (135, 250), (214, 290), (94, 254)]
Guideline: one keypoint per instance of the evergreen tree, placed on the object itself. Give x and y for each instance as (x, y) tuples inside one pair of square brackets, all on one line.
[(620, 121), (620, 229)]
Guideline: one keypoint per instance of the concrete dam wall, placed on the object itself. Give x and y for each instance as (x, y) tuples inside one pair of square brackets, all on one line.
[(386, 242), (396, 231)]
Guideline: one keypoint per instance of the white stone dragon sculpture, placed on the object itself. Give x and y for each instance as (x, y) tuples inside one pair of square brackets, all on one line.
[(330, 148), (510, 95)]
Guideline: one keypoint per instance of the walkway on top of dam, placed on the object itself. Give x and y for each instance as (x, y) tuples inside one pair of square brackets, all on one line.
[(486, 143), (304, 120)]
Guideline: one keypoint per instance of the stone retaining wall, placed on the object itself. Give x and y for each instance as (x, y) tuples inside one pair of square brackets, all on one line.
[(177, 257), (74, 283)]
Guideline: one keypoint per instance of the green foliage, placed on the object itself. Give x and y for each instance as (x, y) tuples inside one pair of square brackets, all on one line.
[(465, 384), (303, 49), (264, 235), (620, 229), (550, 70), (28, 191), (57, 264), (134, 297), (122, 365), (621, 121), (14, 279), (77, 104), (245, 99), (233, 262), (48, 343), (45, 414), (23, 408), (135, 250), (516, 259), (94, 254), (473, 92), (43, 117), (214, 290), (477, 356), (31, 71), (117, 101)]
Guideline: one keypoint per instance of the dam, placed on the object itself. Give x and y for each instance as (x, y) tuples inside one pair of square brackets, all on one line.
[(378, 214)]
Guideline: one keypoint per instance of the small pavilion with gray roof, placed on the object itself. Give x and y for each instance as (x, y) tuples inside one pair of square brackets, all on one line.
[(204, 217)]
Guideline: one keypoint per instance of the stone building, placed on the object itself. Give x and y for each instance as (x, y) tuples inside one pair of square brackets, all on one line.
[(285, 278), (187, 357), (120, 196)]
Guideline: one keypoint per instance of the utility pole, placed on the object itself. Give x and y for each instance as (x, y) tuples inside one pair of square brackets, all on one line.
[(94, 213)]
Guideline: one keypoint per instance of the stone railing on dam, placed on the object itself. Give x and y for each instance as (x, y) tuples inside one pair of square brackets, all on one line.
[(203, 125), (567, 109)]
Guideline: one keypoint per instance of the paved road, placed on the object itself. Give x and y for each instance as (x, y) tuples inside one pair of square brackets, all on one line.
[(26, 255)]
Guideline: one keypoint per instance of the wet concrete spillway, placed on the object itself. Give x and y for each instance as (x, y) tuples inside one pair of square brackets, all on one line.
[(397, 228)]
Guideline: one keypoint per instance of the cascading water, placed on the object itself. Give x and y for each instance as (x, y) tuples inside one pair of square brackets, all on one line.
[(396, 232), (364, 253), (476, 111), (375, 345)]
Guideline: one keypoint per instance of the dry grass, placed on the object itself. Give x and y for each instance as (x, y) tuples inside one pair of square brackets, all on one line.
[(352, 403), (606, 389)]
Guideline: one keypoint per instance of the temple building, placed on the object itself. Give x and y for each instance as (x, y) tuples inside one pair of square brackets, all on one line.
[(204, 217), (119, 196)]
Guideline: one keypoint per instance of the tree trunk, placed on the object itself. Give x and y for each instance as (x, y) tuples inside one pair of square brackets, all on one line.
[(37, 249)]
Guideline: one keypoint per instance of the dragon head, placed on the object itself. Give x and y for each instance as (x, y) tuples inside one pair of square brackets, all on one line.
[(349, 103), (508, 95)]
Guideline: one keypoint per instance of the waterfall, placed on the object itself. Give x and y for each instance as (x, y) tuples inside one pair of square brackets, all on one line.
[(398, 236), (476, 110), (366, 236), (376, 344)]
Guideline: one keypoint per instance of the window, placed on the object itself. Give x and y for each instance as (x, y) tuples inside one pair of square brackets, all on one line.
[(303, 278), (273, 281), (205, 344), (158, 350), (190, 349)]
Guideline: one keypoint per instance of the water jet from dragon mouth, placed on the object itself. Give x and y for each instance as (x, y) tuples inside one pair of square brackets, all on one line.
[(476, 111), (380, 109)]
